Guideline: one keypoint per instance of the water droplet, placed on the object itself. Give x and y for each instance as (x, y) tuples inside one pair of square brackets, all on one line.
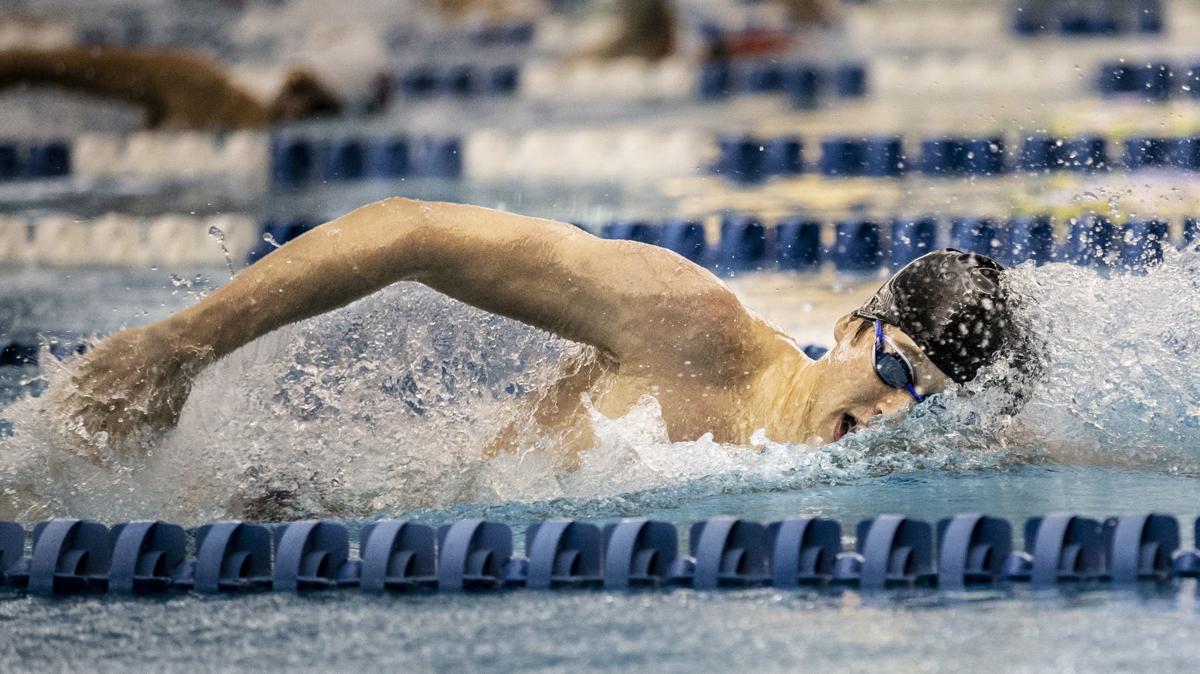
[(218, 235)]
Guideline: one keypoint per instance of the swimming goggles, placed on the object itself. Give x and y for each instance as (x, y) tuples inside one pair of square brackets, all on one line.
[(893, 368)]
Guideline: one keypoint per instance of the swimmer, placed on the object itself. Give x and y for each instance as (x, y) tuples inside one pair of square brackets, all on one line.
[(659, 325), (175, 89), (647, 29)]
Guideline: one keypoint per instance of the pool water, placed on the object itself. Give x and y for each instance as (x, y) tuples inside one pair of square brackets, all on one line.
[(377, 410)]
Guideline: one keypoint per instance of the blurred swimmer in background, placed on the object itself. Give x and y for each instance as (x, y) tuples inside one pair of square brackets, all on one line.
[(326, 65), (330, 65), (649, 29), (658, 324), (175, 89)]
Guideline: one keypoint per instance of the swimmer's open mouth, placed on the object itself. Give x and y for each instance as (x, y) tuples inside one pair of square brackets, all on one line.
[(847, 425)]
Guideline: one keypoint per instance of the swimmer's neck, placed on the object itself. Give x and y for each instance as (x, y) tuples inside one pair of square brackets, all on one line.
[(785, 392)]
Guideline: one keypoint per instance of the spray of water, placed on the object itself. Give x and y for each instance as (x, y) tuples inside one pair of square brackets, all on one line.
[(218, 235), (384, 407)]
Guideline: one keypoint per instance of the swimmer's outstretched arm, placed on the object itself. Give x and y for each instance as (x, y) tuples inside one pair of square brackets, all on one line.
[(176, 89), (643, 306), (625, 298)]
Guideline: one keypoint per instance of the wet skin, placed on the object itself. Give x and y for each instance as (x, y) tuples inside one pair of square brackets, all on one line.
[(659, 326)]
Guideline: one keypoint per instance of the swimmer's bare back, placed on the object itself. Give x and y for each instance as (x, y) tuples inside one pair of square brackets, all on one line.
[(661, 325), (177, 90)]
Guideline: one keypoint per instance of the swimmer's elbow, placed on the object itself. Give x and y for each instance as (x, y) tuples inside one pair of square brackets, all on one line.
[(397, 219), (402, 212)]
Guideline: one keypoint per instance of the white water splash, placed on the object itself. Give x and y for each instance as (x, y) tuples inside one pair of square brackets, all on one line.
[(384, 406)]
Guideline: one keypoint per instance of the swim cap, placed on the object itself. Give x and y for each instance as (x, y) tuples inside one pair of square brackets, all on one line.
[(953, 306)]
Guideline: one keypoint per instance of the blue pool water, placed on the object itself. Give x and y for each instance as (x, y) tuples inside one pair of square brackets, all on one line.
[(378, 410)]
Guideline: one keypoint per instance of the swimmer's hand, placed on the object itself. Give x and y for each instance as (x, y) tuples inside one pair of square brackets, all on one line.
[(132, 385)]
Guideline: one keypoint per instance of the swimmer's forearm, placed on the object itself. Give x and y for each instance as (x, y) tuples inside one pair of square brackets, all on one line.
[(106, 71), (326, 268)]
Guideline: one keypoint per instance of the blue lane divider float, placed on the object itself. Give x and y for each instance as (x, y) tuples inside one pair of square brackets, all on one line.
[(866, 246), (562, 553), (230, 556), (725, 551), (743, 243), (1085, 20), (313, 556), (68, 556), (971, 550), (39, 159), (685, 237), (299, 161), (145, 556), (1064, 548), (1142, 243), (638, 553), (473, 555), (517, 33), (1142, 547), (806, 85), (803, 551), (426, 81), (976, 235), (397, 555), (911, 238), (891, 551), (1031, 238), (860, 245), (1151, 81), (963, 552), (797, 244), (745, 158)]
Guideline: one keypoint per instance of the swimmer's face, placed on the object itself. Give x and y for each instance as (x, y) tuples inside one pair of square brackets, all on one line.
[(852, 393)]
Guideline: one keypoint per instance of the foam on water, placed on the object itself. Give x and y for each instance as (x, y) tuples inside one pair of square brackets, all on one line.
[(383, 407)]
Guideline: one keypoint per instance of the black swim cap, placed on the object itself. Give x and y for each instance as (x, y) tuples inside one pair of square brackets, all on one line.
[(954, 306)]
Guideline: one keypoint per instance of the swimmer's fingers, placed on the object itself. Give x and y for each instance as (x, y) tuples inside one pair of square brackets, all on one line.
[(134, 382)]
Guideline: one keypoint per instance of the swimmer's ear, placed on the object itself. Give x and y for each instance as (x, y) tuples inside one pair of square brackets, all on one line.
[(845, 326), (849, 330), (303, 96)]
